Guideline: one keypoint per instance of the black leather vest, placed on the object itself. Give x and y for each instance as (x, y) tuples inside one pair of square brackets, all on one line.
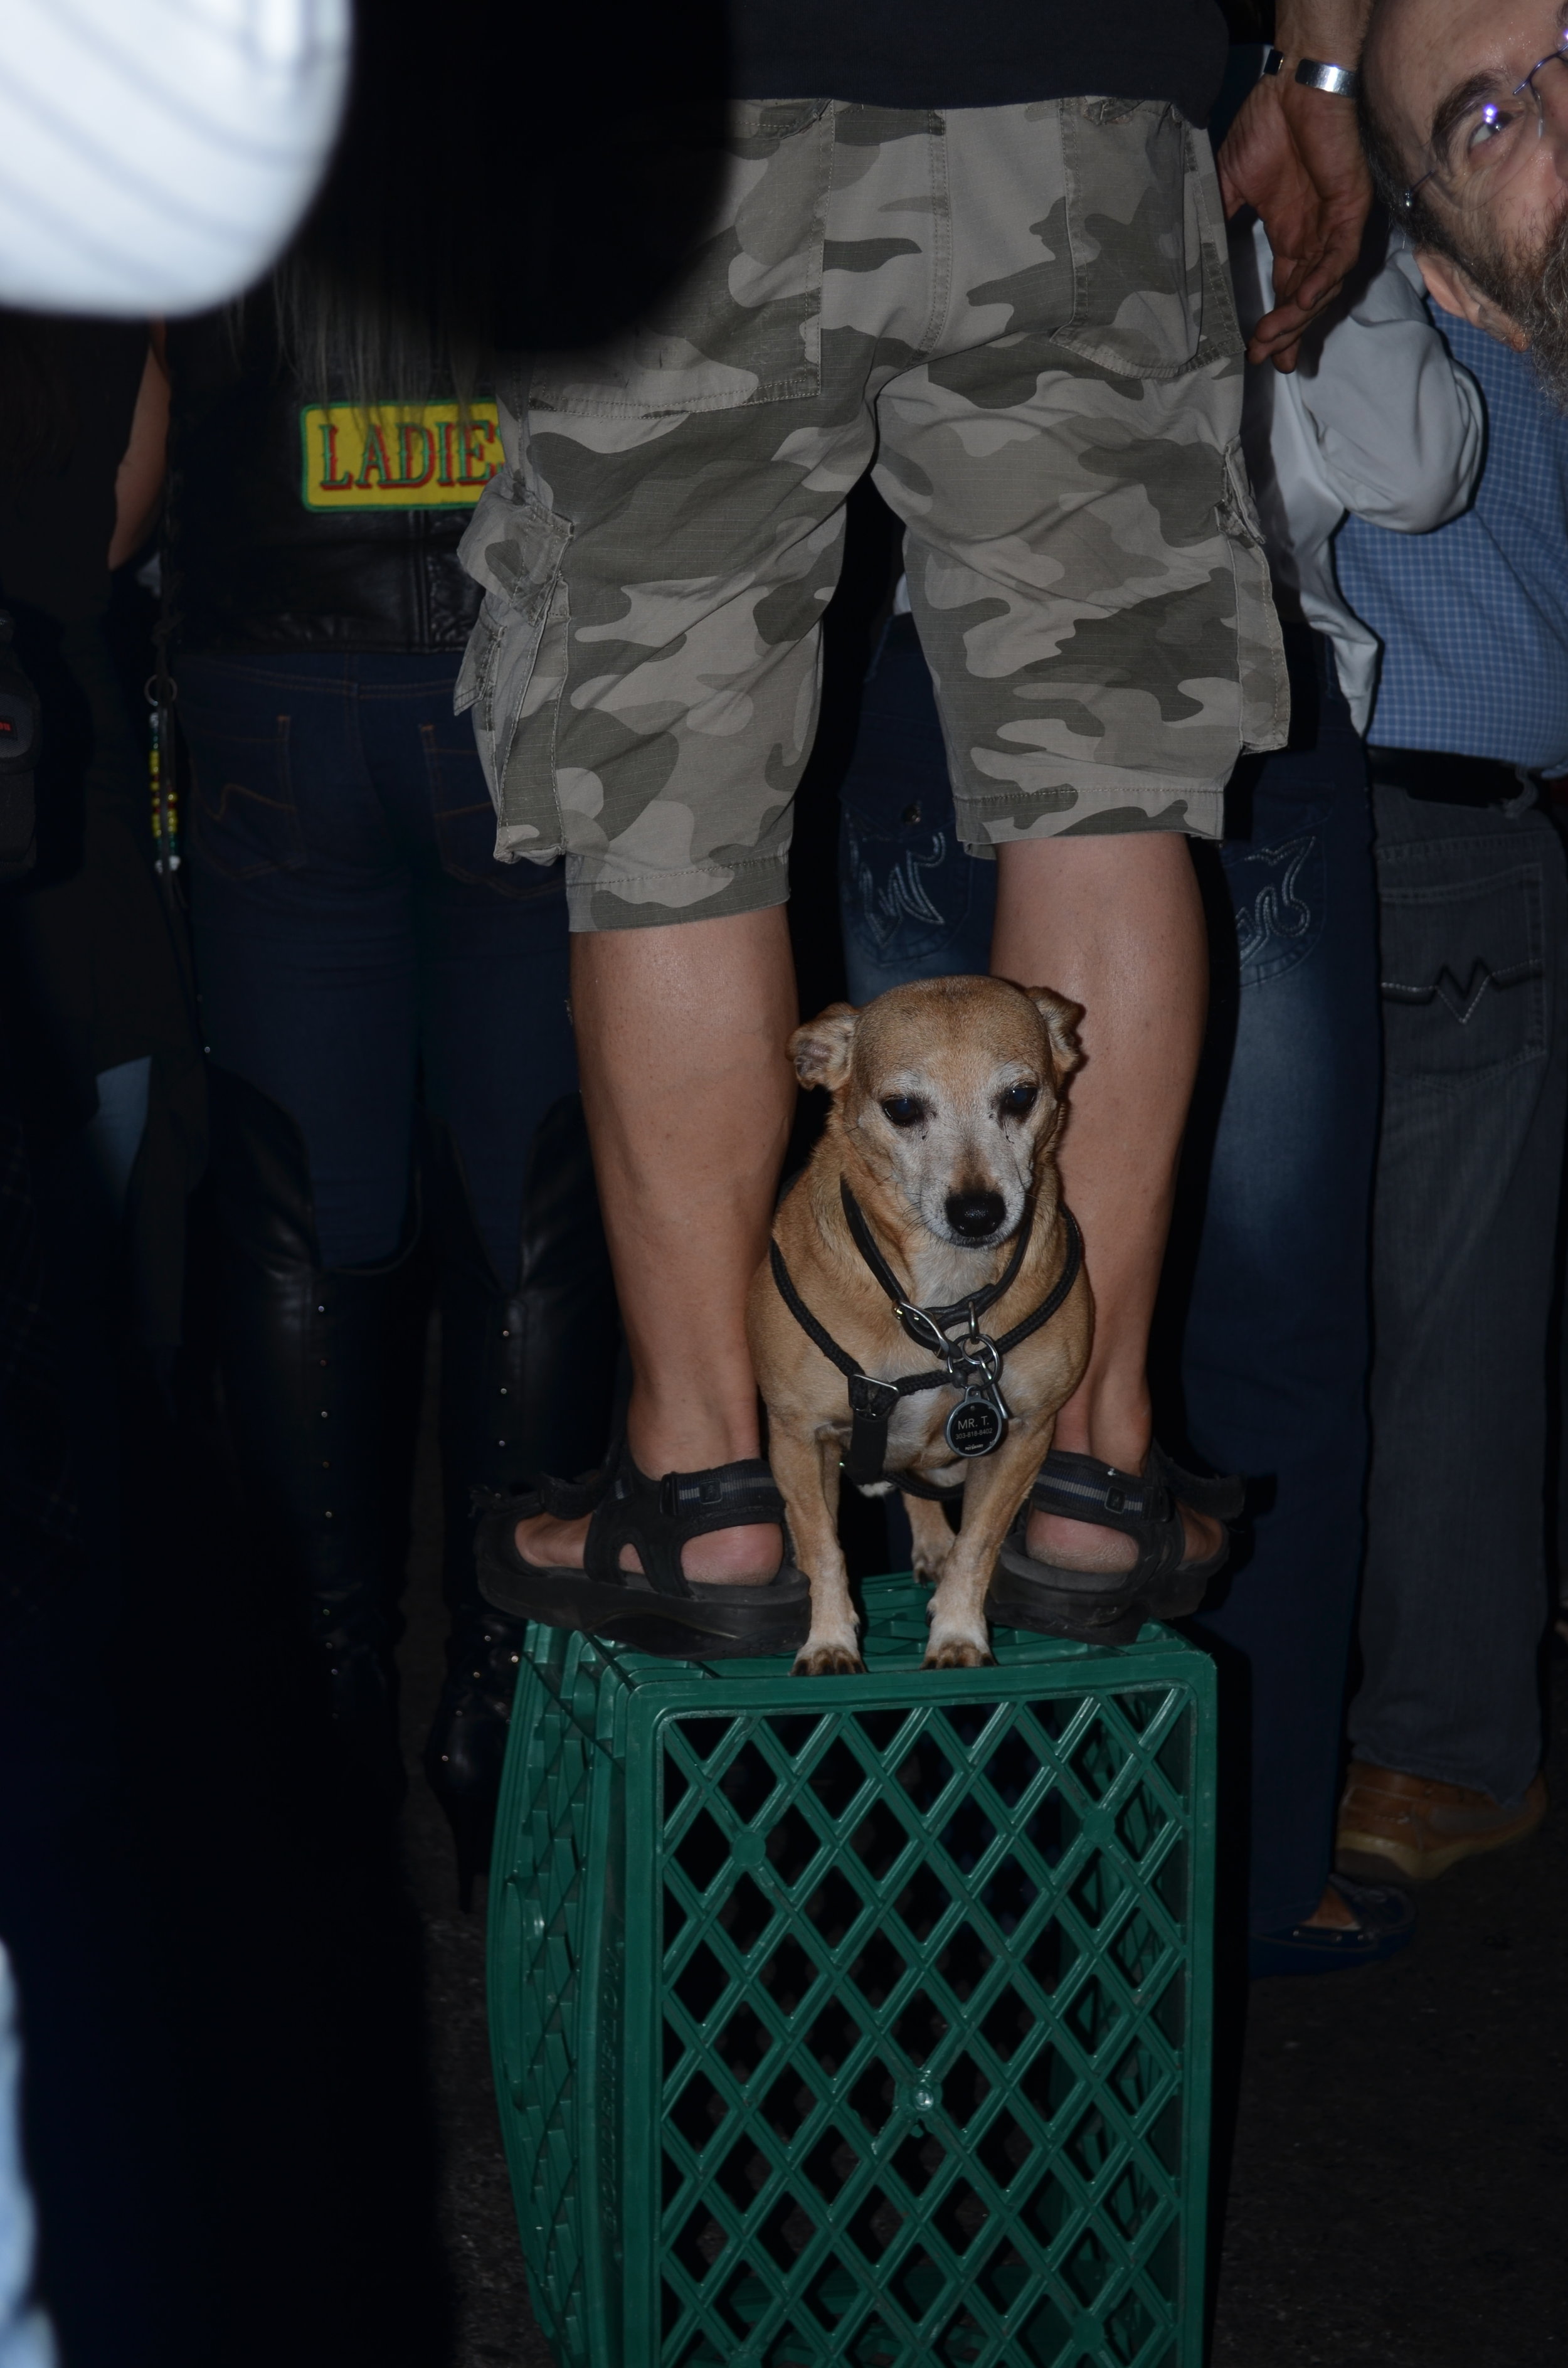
[(251, 566)]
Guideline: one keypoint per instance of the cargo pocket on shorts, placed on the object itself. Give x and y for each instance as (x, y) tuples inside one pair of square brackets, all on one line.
[(1151, 278), (742, 321), (1261, 674), (514, 666)]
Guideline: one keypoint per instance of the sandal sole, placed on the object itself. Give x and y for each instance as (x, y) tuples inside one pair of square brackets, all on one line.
[(1088, 1607), (676, 1627)]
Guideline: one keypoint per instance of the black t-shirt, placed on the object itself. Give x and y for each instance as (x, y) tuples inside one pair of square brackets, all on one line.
[(938, 53)]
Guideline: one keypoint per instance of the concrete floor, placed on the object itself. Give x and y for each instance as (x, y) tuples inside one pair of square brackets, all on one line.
[(1398, 2191)]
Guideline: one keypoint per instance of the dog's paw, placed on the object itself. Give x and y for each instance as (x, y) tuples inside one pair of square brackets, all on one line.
[(959, 1653), (828, 1661)]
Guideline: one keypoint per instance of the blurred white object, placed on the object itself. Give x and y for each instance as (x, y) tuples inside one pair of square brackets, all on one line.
[(26, 2339), (156, 154)]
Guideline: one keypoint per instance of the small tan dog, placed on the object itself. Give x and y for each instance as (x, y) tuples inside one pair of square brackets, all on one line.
[(947, 1108)]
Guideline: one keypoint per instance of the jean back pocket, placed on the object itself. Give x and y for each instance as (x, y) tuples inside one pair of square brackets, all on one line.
[(1462, 970), (1279, 893), (244, 819)]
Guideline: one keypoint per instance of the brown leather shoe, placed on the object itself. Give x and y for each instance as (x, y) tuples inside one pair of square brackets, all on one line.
[(1389, 1821)]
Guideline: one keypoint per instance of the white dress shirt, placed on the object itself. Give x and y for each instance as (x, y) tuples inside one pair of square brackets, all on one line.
[(1378, 421)]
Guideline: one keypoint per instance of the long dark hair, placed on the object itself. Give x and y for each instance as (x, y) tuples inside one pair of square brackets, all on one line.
[(526, 181), (373, 300)]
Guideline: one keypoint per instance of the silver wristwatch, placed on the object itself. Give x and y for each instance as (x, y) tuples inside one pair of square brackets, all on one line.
[(1342, 81)]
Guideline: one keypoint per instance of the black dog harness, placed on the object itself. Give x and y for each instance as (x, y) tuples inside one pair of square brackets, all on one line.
[(971, 1365)]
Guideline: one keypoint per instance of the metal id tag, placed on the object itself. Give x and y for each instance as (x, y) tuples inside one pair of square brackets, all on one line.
[(976, 1423)]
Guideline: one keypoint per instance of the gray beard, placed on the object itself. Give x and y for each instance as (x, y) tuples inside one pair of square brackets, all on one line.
[(1531, 286)]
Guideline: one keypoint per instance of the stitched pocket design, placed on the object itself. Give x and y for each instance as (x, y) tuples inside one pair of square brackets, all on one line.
[(1280, 898), (1150, 279), (245, 816), (1463, 971)]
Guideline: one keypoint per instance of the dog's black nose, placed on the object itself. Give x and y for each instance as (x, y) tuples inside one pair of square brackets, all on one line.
[(975, 1215)]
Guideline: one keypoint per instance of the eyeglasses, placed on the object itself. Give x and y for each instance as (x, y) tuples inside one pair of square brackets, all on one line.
[(1490, 139)]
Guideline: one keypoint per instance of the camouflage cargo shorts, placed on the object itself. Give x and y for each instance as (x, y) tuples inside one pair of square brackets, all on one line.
[(1020, 320)]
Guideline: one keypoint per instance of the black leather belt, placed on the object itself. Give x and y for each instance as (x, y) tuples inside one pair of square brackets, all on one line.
[(1448, 781)]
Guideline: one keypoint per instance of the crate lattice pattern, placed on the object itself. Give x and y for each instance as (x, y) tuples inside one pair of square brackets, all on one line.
[(922, 1990), (921, 2094), (543, 1925)]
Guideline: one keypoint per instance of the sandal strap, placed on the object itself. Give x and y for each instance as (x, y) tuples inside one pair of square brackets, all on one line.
[(1145, 1508), (1082, 1489), (565, 1500), (1222, 1495), (657, 1517)]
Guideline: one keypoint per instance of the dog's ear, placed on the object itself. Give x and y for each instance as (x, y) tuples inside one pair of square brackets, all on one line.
[(821, 1049), (1061, 1020)]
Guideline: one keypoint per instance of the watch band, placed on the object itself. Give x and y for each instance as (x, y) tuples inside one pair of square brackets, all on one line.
[(1340, 82)]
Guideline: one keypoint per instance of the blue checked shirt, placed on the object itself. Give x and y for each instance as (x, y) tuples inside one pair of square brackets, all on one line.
[(1473, 618)]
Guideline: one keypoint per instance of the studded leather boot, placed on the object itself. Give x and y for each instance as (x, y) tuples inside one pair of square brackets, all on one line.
[(321, 1373), (527, 1382)]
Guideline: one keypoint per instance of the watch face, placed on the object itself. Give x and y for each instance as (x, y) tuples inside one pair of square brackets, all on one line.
[(974, 1427)]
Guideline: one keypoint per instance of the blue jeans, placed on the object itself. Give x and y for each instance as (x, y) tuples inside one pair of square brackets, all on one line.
[(357, 947), (1269, 1273), (1469, 1167), (1272, 1235), (912, 903)]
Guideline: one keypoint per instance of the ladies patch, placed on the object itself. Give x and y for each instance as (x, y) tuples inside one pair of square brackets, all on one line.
[(397, 456)]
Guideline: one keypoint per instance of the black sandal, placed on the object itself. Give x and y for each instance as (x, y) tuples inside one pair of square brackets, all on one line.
[(657, 1609), (1108, 1607)]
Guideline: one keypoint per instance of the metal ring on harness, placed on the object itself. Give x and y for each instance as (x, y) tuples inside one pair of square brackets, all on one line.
[(978, 1424)]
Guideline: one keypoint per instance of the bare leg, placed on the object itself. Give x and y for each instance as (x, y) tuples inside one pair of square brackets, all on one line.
[(680, 1036), (1117, 924)]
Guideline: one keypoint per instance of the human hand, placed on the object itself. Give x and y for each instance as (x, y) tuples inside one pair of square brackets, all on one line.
[(1294, 154)]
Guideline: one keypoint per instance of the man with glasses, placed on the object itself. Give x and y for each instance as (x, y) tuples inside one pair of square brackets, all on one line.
[(1471, 710), (1464, 114)]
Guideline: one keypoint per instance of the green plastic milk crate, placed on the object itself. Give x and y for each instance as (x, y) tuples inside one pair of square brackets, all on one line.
[(859, 2020)]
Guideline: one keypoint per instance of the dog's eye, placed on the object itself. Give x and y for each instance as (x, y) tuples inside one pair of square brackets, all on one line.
[(1019, 1100), (903, 1109)]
